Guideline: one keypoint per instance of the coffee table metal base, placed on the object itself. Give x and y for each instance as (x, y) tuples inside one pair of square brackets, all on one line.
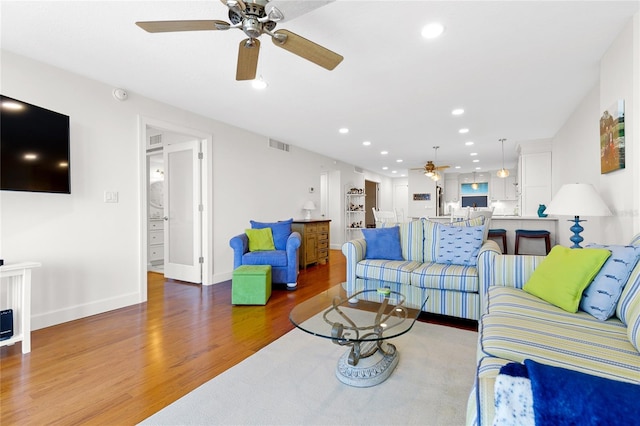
[(369, 371)]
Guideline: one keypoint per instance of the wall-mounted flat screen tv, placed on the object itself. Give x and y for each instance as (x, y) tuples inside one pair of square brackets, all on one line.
[(34, 148)]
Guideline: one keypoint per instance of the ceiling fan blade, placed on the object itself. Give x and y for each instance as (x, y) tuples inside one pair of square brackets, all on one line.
[(306, 49), (247, 59), (172, 26)]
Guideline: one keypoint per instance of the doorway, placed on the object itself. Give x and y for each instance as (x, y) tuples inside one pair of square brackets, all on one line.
[(176, 203), (370, 202)]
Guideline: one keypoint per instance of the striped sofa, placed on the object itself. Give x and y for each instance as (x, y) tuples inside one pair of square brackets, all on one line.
[(518, 326), (451, 289)]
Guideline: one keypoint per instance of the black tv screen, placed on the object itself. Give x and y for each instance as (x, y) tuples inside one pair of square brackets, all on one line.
[(34, 148)]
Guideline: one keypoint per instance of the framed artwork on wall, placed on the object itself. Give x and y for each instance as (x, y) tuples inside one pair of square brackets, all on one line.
[(422, 197), (612, 138)]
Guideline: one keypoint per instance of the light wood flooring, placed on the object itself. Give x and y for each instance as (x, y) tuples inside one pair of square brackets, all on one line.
[(120, 367)]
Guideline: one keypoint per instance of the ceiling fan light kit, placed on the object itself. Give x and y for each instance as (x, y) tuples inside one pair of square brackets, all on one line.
[(253, 19), (430, 169)]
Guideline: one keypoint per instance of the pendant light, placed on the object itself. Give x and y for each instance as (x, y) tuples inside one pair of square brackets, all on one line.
[(503, 173), (474, 185)]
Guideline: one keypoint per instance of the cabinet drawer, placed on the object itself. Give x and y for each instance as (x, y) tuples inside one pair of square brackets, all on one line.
[(323, 254), (323, 227), (156, 253), (323, 244), (156, 225), (156, 237), (311, 228)]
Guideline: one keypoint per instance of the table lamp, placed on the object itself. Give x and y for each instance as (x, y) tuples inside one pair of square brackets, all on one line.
[(308, 206), (577, 199)]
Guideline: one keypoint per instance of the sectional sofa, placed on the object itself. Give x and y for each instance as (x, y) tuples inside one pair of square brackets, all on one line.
[(423, 269), (517, 325)]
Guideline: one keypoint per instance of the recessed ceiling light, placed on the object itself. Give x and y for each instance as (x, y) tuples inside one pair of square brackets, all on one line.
[(463, 131), (476, 161), (456, 167), (30, 156), (384, 152), (478, 168), (399, 160), (344, 130), (469, 143), (394, 171), (385, 168), (473, 154), (457, 111), (432, 30), (366, 143)]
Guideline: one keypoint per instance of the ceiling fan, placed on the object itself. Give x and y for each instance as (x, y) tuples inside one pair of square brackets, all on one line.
[(430, 169), (252, 17)]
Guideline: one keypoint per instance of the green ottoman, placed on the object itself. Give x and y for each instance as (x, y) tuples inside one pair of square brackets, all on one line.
[(251, 285)]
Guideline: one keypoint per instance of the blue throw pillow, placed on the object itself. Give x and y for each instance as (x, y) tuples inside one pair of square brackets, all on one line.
[(383, 243), (459, 245), (280, 230), (601, 297)]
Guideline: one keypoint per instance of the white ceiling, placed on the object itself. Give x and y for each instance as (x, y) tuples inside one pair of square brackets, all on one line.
[(518, 68)]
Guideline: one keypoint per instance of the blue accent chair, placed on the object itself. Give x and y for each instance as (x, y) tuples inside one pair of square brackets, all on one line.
[(283, 260)]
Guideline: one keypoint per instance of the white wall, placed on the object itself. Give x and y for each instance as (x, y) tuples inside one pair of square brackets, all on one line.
[(576, 152), (418, 184), (92, 251)]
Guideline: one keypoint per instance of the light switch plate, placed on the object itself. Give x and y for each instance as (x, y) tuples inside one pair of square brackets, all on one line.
[(110, 196)]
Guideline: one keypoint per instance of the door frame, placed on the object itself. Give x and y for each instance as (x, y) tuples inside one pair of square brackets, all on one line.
[(207, 196)]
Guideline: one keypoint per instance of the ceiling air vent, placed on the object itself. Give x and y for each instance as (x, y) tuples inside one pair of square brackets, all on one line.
[(358, 169), (155, 141), (278, 145)]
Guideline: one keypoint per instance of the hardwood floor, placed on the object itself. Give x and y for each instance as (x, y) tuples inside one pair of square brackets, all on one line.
[(122, 366)]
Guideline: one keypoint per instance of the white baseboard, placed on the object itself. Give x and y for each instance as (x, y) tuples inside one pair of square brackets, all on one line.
[(71, 313)]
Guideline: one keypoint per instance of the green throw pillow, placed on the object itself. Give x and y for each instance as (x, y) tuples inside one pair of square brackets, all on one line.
[(260, 239), (563, 275)]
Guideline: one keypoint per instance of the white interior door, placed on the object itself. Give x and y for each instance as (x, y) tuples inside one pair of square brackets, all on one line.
[(183, 205)]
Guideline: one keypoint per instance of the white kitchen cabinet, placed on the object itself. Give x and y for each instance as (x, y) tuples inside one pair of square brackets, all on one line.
[(503, 189), (535, 181), (451, 189)]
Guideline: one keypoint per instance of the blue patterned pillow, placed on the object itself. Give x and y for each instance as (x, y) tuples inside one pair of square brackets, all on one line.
[(383, 243), (601, 297), (459, 245), (280, 230)]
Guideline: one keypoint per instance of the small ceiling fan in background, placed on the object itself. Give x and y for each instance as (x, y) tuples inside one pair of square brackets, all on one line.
[(430, 169), (254, 18)]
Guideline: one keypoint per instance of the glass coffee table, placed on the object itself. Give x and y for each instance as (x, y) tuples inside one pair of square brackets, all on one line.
[(364, 322)]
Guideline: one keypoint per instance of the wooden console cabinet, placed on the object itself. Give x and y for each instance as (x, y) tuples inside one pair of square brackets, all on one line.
[(315, 240)]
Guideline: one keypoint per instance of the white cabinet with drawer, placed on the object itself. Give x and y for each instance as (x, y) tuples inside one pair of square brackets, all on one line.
[(155, 241)]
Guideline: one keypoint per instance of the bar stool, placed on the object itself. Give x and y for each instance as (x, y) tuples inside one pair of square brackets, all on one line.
[(499, 233), (526, 233)]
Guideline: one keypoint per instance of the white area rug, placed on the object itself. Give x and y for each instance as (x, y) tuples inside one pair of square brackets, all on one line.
[(292, 382)]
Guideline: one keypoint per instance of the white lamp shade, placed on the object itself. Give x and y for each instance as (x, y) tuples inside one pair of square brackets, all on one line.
[(578, 199), (309, 205)]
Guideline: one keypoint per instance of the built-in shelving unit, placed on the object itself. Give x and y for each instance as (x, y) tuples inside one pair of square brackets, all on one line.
[(354, 212)]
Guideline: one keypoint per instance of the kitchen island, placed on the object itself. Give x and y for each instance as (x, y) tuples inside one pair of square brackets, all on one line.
[(511, 223)]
